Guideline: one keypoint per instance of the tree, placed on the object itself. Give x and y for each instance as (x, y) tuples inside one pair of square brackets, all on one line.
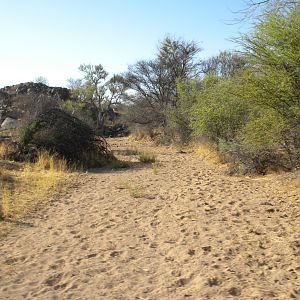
[(226, 64), (255, 114), (256, 9), (179, 59), (151, 84), (41, 79), (273, 50), (147, 87), (179, 117), (96, 92)]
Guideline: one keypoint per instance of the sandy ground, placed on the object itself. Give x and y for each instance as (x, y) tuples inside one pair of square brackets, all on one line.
[(182, 230)]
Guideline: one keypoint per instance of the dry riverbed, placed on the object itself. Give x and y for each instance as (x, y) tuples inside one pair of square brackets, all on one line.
[(180, 229)]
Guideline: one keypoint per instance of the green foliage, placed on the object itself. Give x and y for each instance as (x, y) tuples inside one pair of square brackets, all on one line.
[(26, 133), (253, 114), (263, 130), (271, 86), (273, 50), (219, 112), (179, 116)]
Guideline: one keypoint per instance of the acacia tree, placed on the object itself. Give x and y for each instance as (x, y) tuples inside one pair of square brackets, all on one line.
[(151, 84), (96, 92), (272, 49), (254, 9), (255, 116)]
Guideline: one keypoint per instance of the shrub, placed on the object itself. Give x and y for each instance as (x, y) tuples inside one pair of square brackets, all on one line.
[(179, 116), (27, 132), (263, 130), (134, 192), (219, 112)]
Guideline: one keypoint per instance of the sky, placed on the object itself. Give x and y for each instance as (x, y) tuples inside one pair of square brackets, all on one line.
[(51, 38)]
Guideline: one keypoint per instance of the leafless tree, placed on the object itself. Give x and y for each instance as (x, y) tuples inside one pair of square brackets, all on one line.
[(96, 92), (254, 9), (151, 84), (226, 64)]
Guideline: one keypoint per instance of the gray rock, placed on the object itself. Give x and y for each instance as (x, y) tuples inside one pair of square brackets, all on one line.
[(9, 123)]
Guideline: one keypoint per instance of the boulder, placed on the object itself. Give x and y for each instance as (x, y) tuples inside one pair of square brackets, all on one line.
[(10, 123), (27, 99)]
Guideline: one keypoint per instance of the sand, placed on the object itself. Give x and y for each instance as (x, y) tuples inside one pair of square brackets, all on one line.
[(183, 230)]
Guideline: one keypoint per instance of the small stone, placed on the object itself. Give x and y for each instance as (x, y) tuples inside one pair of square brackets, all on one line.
[(234, 291), (114, 253), (206, 249), (191, 252), (213, 281)]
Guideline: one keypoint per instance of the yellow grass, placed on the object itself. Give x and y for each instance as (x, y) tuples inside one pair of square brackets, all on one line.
[(155, 168), (140, 136), (134, 192), (4, 211), (207, 153), (24, 186), (3, 149)]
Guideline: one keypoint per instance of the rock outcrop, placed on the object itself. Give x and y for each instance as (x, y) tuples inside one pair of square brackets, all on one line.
[(31, 88), (21, 99)]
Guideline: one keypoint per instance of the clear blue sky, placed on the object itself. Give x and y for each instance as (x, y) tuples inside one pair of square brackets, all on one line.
[(52, 38)]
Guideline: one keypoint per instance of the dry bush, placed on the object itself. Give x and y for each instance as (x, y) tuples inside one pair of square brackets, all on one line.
[(63, 134), (262, 161), (160, 136)]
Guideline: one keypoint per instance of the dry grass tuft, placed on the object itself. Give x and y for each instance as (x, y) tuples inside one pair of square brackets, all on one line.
[(5, 203), (133, 190), (46, 161), (3, 149), (208, 153), (140, 137), (147, 157), (155, 168)]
